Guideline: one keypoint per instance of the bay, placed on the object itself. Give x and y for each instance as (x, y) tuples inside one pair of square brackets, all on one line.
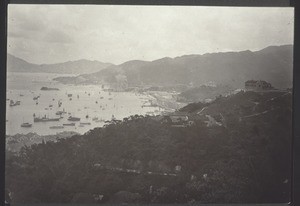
[(86, 100)]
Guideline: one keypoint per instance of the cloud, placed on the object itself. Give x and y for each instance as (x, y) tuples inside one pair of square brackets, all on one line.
[(57, 36), (109, 33)]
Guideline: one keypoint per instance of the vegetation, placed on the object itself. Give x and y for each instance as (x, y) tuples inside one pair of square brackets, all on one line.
[(203, 92), (247, 159)]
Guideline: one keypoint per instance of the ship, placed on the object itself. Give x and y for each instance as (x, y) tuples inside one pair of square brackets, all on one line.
[(26, 124), (49, 89), (56, 127), (45, 119), (69, 124), (73, 118), (85, 123)]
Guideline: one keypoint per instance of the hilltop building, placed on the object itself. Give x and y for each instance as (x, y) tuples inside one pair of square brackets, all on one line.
[(257, 85), (178, 120)]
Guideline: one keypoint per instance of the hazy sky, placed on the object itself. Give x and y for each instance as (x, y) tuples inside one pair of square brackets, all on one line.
[(52, 34)]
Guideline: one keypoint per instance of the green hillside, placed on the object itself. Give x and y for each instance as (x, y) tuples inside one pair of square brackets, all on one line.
[(244, 158)]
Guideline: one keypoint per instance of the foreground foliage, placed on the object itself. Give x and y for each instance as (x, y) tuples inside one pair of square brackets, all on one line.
[(244, 160)]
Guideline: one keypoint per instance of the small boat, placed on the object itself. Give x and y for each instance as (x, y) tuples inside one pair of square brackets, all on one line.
[(50, 105), (12, 103), (49, 89), (85, 123), (99, 120), (60, 112), (96, 102), (26, 124), (69, 124), (73, 119), (56, 127), (87, 116), (69, 95)]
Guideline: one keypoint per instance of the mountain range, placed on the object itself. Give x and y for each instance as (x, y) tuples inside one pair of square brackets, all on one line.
[(273, 64), (15, 64)]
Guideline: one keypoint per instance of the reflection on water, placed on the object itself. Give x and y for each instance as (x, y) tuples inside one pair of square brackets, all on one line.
[(89, 102)]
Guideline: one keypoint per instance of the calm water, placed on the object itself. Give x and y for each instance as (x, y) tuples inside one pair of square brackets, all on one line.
[(86, 100)]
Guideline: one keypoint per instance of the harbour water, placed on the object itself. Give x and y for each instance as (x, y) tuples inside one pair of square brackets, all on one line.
[(88, 102)]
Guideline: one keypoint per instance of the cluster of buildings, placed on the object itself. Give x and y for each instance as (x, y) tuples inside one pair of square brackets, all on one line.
[(257, 85)]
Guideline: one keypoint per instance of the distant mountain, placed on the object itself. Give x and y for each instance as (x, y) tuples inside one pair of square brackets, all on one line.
[(15, 64), (273, 64)]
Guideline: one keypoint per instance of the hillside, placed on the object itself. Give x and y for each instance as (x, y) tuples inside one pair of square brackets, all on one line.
[(203, 92), (243, 158), (15, 64), (273, 64)]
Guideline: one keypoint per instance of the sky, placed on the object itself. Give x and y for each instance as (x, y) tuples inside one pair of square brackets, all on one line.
[(46, 34)]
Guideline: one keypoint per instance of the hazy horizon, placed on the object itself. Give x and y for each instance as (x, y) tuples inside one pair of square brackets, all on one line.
[(48, 34), (82, 59)]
